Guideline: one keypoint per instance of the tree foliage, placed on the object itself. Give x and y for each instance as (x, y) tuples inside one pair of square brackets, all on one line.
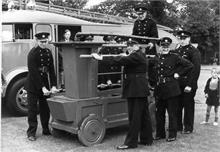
[(78, 4)]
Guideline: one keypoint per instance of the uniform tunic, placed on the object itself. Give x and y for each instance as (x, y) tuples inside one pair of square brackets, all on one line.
[(38, 59), (135, 83), (167, 65), (187, 102), (192, 54), (135, 89), (40, 73), (213, 92), (148, 28), (167, 91)]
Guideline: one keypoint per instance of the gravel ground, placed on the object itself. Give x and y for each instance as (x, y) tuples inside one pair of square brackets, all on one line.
[(205, 138)]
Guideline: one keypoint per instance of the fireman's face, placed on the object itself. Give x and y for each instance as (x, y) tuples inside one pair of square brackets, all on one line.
[(42, 43), (141, 15), (184, 40), (165, 49)]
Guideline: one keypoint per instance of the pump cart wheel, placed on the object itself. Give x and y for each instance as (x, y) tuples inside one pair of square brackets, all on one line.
[(92, 130)]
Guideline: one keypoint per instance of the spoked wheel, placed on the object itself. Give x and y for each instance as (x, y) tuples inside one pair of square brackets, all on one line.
[(92, 130)]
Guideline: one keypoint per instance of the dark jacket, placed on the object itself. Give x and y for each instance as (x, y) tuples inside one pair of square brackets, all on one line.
[(192, 54), (146, 27), (167, 65), (38, 59), (134, 75)]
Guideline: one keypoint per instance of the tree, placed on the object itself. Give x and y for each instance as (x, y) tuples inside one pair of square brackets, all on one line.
[(78, 4)]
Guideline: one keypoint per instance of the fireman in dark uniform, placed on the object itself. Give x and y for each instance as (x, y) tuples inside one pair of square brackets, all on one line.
[(145, 26), (40, 84), (167, 89), (135, 89), (188, 84)]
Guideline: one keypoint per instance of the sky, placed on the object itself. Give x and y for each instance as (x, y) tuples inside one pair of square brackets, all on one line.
[(93, 2)]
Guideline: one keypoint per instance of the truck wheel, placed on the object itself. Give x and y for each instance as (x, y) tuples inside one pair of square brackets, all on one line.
[(17, 98), (92, 130)]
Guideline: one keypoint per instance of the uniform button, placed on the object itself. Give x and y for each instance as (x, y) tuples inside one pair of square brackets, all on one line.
[(42, 59), (162, 69), (41, 64), (41, 54), (41, 73), (161, 63), (48, 60)]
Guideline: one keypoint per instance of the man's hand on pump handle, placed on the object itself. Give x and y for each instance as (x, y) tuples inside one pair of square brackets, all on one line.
[(47, 92)]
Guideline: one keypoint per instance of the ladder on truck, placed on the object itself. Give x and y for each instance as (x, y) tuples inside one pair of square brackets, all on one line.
[(77, 13)]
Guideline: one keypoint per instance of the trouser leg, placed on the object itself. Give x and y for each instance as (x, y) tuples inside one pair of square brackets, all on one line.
[(146, 126), (32, 114), (189, 110), (44, 113), (172, 104), (134, 123), (160, 117), (180, 114)]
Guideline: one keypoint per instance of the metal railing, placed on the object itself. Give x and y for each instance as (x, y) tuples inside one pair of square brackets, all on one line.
[(78, 13)]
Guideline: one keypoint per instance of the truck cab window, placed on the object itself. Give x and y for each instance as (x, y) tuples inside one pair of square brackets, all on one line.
[(23, 31), (7, 33)]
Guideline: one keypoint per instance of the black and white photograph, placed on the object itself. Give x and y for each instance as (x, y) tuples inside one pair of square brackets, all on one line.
[(110, 75)]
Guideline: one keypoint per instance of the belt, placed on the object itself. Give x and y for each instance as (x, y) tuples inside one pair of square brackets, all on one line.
[(43, 69), (134, 75), (164, 80)]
